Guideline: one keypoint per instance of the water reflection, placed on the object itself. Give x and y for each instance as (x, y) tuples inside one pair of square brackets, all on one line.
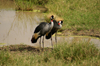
[(18, 27)]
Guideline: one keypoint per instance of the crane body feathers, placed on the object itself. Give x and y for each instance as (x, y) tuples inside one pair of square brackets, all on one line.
[(41, 30)]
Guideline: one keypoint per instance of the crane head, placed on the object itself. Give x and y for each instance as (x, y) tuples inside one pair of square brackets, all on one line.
[(60, 22), (52, 17)]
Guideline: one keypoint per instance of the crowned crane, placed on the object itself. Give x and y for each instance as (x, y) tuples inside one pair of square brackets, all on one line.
[(41, 30), (57, 25)]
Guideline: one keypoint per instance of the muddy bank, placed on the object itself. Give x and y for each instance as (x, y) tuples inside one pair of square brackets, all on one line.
[(92, 33), (21, 48)]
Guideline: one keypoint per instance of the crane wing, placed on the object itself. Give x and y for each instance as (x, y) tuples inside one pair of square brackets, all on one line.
[(40, 27)]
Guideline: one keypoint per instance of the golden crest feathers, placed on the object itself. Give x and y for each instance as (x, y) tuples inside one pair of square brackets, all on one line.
[(59, 19), (48, 16)]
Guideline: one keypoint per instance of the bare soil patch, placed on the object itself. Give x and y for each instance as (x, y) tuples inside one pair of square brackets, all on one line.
[(92, 32), (23, 48)]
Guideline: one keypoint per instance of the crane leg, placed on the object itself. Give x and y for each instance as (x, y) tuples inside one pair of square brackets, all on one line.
[(51, 42), (56, 38), (43, 42), (40, 42)]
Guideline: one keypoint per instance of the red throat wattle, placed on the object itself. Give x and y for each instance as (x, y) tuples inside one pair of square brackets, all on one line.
[(58, 23), (51, 20)]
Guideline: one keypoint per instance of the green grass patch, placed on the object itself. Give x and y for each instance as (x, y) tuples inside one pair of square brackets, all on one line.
[(76, 14), (82, 53)]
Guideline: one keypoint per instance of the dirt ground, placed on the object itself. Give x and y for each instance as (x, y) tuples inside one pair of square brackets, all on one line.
[(92, 33), (21, 48)]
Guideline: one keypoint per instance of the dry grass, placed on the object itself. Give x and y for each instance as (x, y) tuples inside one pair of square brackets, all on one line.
[(77, 54)]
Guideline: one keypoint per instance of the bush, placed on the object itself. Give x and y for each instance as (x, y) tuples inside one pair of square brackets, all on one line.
[(36, 2)]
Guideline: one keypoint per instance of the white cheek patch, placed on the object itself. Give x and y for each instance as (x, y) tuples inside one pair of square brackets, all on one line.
[(51, 17), (60, 22), (60, 25)]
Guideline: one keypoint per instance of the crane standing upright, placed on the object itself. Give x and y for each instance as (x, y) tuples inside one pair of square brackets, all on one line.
[(57, 25), (41, 30)]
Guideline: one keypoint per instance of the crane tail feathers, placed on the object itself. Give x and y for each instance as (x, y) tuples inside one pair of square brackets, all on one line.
[(34, 38), (48, 35)]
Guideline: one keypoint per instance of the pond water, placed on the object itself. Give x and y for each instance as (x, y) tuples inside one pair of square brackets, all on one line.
[(17, 27)]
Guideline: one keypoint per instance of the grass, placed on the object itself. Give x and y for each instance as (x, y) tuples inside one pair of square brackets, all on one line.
[(77, 54), (78, 15)]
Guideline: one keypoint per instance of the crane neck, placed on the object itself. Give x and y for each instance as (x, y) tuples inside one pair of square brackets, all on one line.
[(51, 24)]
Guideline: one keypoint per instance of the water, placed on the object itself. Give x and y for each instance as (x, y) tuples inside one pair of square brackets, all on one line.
[(16, 27)]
